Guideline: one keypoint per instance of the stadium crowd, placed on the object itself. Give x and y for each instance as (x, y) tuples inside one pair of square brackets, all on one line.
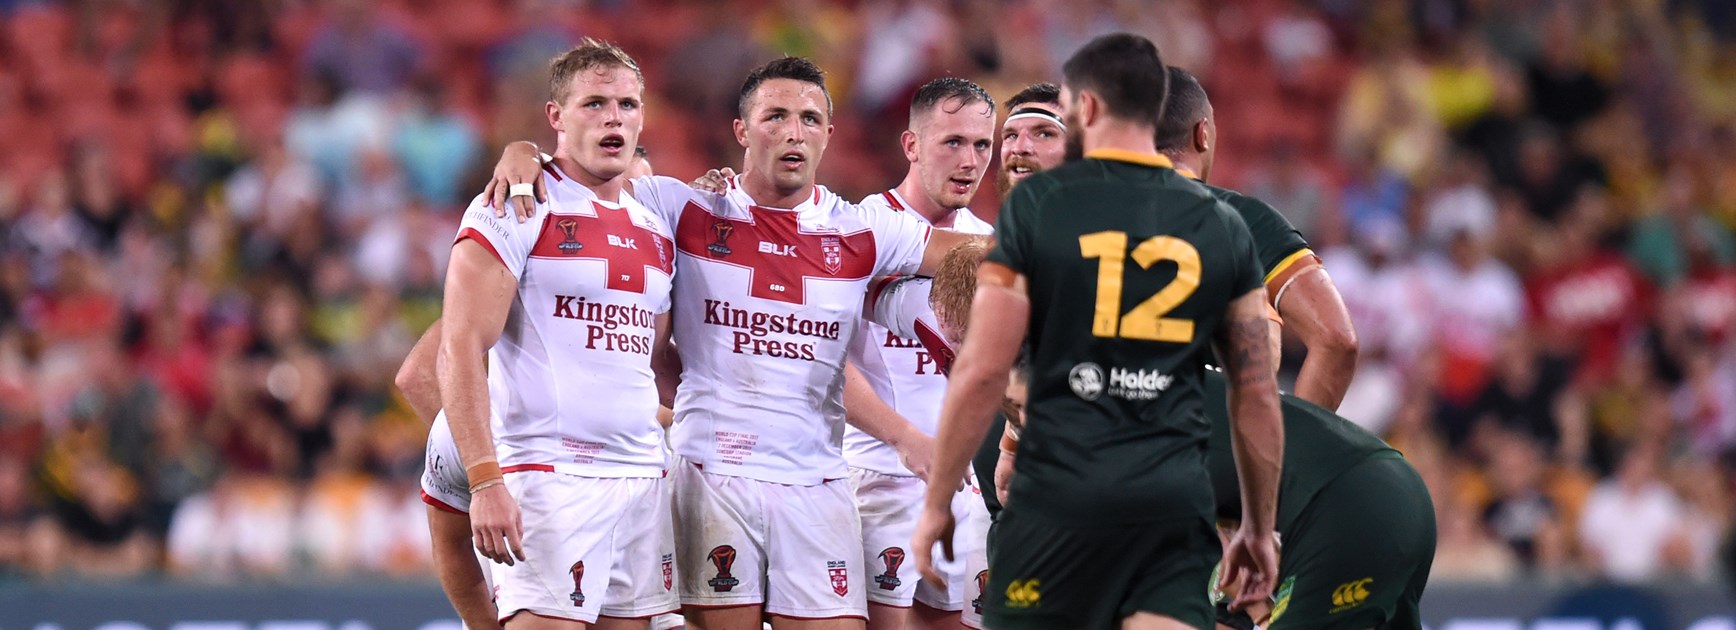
[(225, 223)]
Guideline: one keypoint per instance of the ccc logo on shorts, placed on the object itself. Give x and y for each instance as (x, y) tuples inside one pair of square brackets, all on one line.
[(1023, 594), (1349, 594)]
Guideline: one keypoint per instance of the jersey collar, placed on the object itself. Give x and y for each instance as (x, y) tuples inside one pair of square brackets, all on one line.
[(736, 189), (1135, 157)]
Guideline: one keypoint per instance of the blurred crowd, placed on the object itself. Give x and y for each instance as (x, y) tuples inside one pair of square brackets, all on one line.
[(225, 222)]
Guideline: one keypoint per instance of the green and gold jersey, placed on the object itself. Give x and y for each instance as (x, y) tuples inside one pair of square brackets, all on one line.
[(1277, 242), (1318, 446), (1130, 267)]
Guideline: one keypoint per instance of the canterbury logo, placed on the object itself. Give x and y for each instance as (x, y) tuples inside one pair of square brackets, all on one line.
[(1351, 593), (1023, 593)]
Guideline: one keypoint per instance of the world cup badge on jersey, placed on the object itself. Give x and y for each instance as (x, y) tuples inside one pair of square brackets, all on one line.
[(722, 559), (578, 573), (569, 237), (662, 254), (840, 572), (720, 232), (832, 248)]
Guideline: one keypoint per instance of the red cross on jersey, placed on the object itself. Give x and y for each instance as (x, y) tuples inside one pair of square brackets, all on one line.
[(764, 310), (575, 353)]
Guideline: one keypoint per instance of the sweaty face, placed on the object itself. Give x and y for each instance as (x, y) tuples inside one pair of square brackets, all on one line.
[(786, 132), (1030, 144), (953, 142), (601, 120)]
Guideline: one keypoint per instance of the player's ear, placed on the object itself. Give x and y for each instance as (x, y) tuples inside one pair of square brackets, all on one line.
[(1088, 107), (1202, 136), (553, 110), (908, 141), (741, 133)]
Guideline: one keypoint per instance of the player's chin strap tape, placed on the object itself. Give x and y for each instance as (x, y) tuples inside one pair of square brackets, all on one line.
[(1036, 112)]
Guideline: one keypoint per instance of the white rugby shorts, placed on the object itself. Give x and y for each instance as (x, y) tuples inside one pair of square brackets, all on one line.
[(593, 546), (795, 549), (890, 506)]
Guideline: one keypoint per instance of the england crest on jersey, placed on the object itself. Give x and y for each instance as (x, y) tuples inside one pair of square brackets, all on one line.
[(832, 251)]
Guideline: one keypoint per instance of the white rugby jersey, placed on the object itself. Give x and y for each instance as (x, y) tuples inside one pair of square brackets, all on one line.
[(764, 313), (902, 372), (444, 480), (569, 382)]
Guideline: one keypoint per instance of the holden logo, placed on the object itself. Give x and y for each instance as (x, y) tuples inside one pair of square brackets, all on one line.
[(1086, 379)]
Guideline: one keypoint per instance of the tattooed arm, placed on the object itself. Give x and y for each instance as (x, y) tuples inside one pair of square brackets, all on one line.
[(1257, 439)]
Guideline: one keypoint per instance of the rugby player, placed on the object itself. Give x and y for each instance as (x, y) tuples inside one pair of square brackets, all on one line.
[(948, 144), (1111, 521), (1341, 488), (774, 270), (575, 301), (1296, 282)]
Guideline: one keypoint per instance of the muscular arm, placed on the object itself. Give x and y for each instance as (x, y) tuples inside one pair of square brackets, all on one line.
[(417, 378), (940, 242), (474, 319), (865, 410), (460, 575), (978, 380), (1256, 426), (1314, 311)]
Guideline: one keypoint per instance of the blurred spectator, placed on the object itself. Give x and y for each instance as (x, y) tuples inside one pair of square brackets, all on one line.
[(1550, 176), (1298, 190), (436, 145), (1680, 238), (1563, 91), (271, 192), (242, 527), (1631, 521), (1585, 299), (25, 531), (1475, 303), (363, 49), (1521, 515), (1387, 303), (1461, 201)]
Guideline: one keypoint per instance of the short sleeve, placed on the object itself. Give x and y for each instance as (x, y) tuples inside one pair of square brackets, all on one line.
[(899, 302), (506, 238), (899, 239), (1249, 275), (1013, 230), (1278, 242), (663, 196)]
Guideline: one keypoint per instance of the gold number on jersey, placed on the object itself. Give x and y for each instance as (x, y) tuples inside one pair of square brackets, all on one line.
[(1146, 321)]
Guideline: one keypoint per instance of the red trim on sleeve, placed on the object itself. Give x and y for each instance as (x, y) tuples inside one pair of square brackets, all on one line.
[(527, 468), (879, 287), (441, 505), (549, 168), (472, 234)]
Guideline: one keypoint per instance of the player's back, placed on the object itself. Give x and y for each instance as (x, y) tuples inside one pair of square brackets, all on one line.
[(1130, 268), (1318, 446)]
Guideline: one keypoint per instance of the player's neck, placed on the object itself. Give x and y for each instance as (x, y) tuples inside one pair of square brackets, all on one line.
[(1187, 163), (910, 192), (766, 193), (608, 190), (1116, 134)]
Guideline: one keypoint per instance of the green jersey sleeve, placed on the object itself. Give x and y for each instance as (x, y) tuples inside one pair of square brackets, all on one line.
[(1013, 228), (1249, 274)]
